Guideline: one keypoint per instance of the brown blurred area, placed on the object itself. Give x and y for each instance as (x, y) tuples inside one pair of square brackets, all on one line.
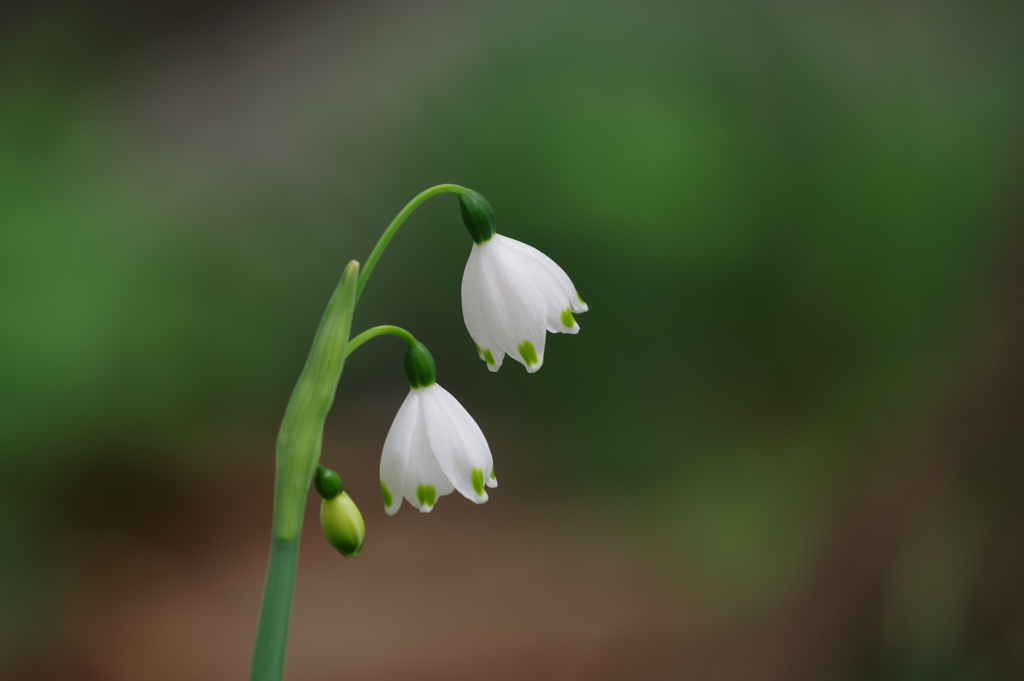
[(786, 446), (506, 590)]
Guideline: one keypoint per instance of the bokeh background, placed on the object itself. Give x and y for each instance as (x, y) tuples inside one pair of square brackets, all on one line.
[(786, 445)]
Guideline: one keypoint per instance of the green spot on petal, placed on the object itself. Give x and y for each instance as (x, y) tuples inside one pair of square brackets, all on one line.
[(567, 318), (478, 350), (492, 475), (528, 353), (488, 357), (427, 495), (579, 299), (384, 492), (478, 481)]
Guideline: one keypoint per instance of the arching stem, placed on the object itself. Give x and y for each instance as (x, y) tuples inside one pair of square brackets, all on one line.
[(385, 238)]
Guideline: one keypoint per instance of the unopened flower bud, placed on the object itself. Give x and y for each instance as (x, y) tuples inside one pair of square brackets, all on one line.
[(340, 518)]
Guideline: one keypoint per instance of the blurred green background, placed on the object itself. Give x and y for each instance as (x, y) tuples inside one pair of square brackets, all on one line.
[(785, 445)]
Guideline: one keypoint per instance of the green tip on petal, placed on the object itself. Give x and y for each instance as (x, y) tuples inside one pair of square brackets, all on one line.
[(579, 299), (567, 319), (492, 475), (528, 353), (478, 481), (485, 355), (427, 495), (386, 494)]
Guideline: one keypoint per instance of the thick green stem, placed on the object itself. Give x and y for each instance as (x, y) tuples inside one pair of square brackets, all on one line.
[(382, 243), (276, 611), (298, 452)]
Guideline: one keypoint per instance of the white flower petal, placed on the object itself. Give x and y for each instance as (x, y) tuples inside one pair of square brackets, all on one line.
[(458, 443), (575, 302), (425, 481), (558, 317), (394, 459), (514, 308), (541, 287), (473, 315)]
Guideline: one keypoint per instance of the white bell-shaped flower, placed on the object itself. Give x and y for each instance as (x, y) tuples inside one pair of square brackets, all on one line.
[(434, 446), (512, 294)]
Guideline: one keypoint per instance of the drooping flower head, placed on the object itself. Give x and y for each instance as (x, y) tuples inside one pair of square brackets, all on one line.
[(512, 294), (434, 446)]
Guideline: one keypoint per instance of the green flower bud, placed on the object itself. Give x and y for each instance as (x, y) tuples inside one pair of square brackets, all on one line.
[(419, 366), (477, 215), (343, 524), (339, 516)]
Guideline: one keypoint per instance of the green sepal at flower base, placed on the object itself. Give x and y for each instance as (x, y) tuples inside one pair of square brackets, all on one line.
[(477, 215), (419, 365)]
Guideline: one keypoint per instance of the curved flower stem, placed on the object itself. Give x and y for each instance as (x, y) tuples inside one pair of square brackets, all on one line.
[(382, 243), (379, 331), (298, 452)]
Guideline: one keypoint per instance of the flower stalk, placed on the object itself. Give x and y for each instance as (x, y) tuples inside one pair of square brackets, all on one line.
[(385, 238), (512, 294)]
